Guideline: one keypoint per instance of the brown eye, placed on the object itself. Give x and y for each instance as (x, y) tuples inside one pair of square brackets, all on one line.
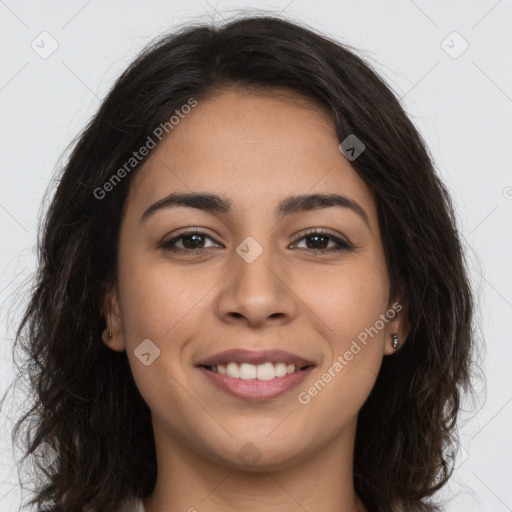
[(191, 241), (318, 241)]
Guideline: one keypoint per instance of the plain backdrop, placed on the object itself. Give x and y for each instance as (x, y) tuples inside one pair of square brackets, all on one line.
[(450, 62)]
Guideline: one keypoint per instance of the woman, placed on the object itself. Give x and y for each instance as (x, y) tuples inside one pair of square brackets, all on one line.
[(251, 291)]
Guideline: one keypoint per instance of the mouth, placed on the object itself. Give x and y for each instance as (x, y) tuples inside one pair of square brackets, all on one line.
[(247, 371), (255, 375)]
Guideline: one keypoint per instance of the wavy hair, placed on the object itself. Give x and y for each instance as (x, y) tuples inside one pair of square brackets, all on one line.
[(85, 403)]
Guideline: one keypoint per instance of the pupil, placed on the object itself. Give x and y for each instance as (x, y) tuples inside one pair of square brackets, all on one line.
[(316, 237), (189, 237)]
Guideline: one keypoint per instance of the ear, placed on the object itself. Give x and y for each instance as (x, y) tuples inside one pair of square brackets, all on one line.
[(398, 324), (113, 323)]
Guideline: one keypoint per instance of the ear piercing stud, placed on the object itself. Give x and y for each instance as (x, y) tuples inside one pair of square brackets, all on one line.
[(106, 335), (395, 343)]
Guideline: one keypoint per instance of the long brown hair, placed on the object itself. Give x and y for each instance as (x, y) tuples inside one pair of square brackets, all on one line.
[(85, 403)]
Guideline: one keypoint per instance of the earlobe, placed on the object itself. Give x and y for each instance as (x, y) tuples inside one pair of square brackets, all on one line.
[(112, 335), (397, 330), (106, 336), (113, 342)]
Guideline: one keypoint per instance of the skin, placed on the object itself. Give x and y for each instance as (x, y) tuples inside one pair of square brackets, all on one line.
[(256, 150)]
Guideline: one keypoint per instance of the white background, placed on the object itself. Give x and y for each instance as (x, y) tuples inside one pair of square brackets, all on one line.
[(462, 106)]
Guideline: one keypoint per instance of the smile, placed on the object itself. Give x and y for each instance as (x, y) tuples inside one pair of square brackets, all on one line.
[(246, 371), (251, 382)]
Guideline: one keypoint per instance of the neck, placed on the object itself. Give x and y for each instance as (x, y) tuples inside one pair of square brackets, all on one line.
[(320, 480)]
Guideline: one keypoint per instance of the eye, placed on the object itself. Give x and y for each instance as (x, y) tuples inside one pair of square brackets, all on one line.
[(319, 240), (190, 240)]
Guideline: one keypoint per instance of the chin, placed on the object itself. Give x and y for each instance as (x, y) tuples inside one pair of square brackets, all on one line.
[(258, 453)]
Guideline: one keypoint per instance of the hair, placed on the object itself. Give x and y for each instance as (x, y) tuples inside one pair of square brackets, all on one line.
[(86, 405)]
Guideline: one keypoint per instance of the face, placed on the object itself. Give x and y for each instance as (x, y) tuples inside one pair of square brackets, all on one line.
[(261, 273)]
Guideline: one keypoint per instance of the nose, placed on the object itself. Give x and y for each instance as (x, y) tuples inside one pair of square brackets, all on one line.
[(258, 292)]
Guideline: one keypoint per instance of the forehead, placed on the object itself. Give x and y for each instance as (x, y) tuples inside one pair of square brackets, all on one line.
[(254, 148)]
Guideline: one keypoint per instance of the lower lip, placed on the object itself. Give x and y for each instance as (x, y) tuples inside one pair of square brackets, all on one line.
[(254, 389)]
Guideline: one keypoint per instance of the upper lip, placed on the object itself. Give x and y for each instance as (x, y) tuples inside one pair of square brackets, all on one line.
[(252, 357)]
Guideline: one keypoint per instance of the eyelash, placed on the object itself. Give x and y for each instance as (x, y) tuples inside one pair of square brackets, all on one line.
[(342, 244)]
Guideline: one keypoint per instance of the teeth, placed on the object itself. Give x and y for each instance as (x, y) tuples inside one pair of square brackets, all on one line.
[(233, 370), (246, 371), (266, 371), (281, 369)]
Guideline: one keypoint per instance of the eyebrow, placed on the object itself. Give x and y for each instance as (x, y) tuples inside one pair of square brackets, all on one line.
[(215, 204)]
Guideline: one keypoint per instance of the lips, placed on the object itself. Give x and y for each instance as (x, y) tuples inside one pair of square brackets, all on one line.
[(254, 389), (264, 383)]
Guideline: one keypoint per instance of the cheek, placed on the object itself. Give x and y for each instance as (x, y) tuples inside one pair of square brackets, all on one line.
[(349, 299), (156, 296), (350, 305), (161, 304)]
